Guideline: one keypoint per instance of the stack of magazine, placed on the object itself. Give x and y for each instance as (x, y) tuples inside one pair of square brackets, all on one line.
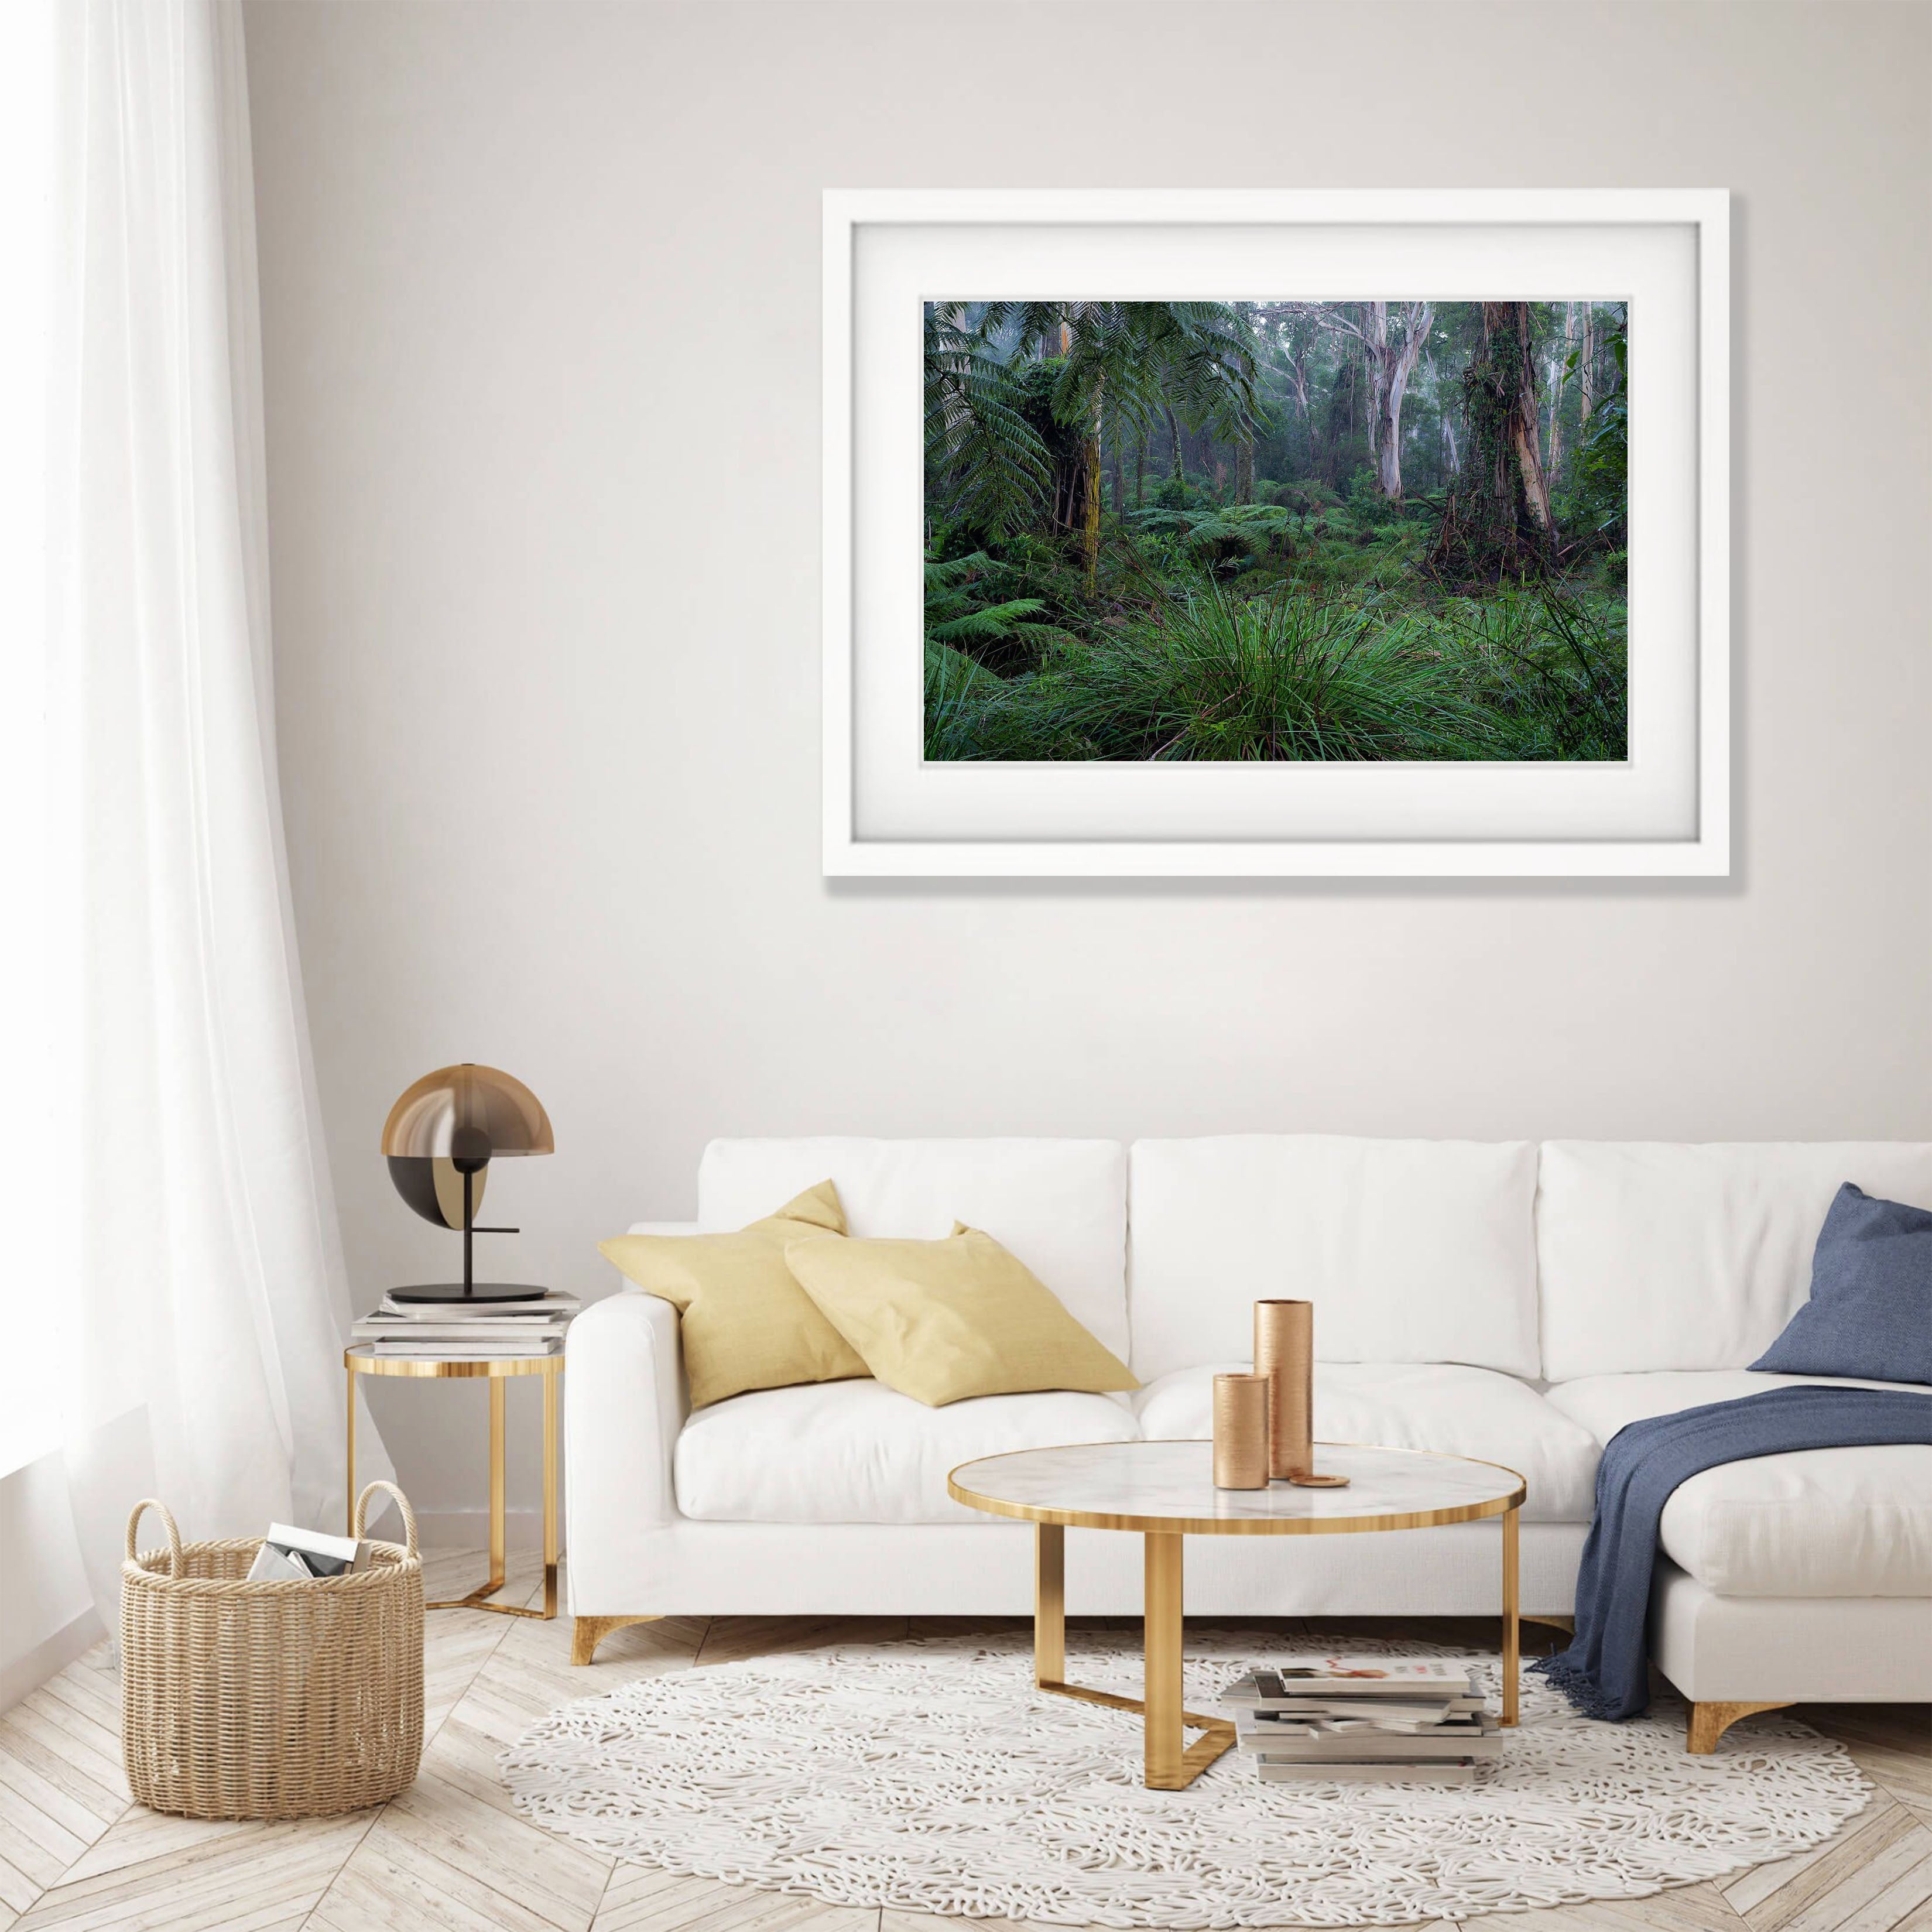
[(305, 1555), (1419, 1720), (468, 1331)]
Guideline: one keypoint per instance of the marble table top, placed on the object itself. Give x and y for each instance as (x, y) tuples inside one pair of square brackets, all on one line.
[(1169, 1486)]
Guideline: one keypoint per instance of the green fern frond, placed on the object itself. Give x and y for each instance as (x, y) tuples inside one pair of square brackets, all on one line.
[(995, 624)]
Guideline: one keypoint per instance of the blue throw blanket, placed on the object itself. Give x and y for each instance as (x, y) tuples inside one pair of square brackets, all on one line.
[(1604, 1672)]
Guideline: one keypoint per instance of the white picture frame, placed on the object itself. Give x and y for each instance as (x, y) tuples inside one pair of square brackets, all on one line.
[(1664, 812)]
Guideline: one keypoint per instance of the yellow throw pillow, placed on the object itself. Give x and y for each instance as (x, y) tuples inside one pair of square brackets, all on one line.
[(941, 1321), (745, 1322)]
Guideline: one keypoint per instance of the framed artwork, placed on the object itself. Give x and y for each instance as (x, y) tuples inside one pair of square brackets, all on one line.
[(1260, 532)]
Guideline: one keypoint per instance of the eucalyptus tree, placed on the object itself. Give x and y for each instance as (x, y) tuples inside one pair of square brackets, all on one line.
[(1559, 365), (1296, 338), (1586, 362), (1508, 331), (1600, 468), (1391, 363), (1496, 520), (1388, 359), (1120, 367)]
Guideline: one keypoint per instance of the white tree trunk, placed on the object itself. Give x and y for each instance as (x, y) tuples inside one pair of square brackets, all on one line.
[(1529, 461), (1376, 340), (1299, 372), (1556, 391), (1391, 368), (1586, 362)]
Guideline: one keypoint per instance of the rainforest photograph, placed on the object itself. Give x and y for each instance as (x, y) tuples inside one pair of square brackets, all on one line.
[(1264, 530)]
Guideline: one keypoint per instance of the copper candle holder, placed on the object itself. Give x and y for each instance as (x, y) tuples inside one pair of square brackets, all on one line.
[(1240, 1432), (1285, 1355)]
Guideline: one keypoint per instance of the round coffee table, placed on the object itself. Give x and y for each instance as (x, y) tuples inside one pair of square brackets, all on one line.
[(1166, 1490)]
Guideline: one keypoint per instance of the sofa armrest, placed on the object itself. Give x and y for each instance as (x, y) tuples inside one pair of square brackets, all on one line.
[(625, 1405)]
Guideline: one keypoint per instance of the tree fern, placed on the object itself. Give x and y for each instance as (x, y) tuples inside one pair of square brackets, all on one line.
[(1125, 363), (1006, 635), (995, 465)]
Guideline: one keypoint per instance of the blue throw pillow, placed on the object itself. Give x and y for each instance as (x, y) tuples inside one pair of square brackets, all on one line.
[(1870, 1310)]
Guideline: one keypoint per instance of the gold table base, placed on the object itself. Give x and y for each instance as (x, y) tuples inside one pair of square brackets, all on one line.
[(1170, 1763), (361, 1361)]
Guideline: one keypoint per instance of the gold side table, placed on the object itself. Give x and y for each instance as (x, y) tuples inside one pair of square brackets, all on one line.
[(363, 1360)]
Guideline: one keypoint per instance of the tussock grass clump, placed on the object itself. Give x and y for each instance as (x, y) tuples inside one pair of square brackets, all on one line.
[(1286, 676), (1553, 669), (1251, 665)]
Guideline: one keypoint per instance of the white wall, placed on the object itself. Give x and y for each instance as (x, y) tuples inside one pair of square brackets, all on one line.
[(540, 290), (46, 1614)]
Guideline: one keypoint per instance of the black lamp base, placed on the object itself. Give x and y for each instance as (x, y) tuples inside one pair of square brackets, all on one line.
[(455, 1293)]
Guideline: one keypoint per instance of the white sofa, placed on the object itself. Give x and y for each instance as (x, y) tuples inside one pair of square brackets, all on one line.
[(1506, 1300)]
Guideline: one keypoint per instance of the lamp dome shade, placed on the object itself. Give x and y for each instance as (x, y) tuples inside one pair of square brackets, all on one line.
[(434, 1189), (467, 1114)]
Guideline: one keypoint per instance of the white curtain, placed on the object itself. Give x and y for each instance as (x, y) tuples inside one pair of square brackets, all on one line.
[(207, 1288)]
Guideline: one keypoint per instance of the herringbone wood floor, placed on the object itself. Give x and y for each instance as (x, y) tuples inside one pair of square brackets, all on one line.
[(451, 1852)]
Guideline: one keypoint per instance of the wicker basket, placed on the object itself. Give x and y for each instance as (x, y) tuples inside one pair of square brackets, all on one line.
[(269, 1700)]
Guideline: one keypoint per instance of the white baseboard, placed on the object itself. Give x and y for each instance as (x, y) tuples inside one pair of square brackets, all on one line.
[(25, 1674), (469, 1528)]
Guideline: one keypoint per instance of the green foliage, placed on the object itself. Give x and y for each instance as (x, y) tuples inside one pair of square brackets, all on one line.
[(1365, 495), (1364, 558), (1492, 529), (969, 713), (1222, 539), (1553, 669), (1309, 494), (995, 462), (966, 613), (1317, 619), (1220, 676), (996, 623), (1226, 535), (1136, 360), (1212, 672), (992, 409), (1600, 492)]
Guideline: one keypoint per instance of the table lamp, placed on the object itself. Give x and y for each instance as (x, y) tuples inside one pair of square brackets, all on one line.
[(439, 1140)]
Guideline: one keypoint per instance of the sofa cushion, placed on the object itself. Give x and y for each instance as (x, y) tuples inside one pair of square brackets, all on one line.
[(859, 1452), (1404, 1406), (1812, 1522), (1060, 1205), (944, 1321), (1871, 1309), (1654, 1256), (743, 1321), (1411, 1251)]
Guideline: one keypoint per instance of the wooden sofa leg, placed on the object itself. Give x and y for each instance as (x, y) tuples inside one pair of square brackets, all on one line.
[(588, 1632), (1709, 1722)]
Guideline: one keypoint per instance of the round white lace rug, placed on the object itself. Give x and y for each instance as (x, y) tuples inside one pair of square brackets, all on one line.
[(931, 1776)]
